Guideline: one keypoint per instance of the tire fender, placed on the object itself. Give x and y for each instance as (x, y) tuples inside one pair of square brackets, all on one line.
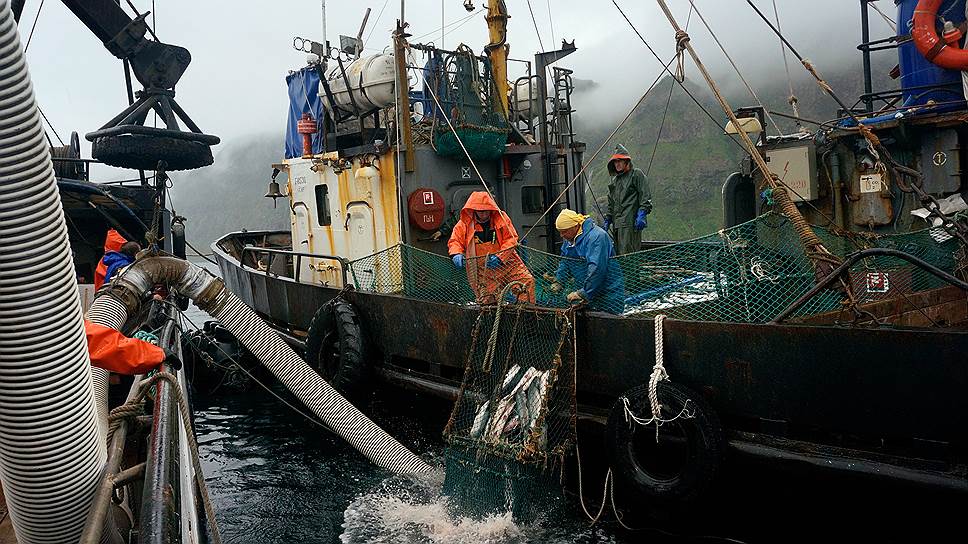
[(701, 436), (335, 347)]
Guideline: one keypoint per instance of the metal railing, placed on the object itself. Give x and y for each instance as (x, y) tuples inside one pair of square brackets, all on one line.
[(297, 255)]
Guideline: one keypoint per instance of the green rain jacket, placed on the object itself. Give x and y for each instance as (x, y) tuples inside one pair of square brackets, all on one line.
[(628, 193)]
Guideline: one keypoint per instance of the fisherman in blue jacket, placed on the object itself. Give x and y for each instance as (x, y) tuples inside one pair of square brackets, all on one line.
[(116, 260), (588, 253)]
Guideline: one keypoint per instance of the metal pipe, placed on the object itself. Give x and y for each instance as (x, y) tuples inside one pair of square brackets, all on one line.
[(852, 260), (865, 31), (51, 454)]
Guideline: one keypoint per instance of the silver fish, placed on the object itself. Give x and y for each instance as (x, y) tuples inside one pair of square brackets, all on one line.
[(512, 372), (479, 420), (521, 409)]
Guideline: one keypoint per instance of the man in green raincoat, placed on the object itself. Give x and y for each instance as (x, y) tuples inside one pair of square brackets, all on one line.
[(629, 202)]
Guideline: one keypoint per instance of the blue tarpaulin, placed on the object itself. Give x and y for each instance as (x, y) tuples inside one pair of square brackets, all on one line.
[(303, 98)]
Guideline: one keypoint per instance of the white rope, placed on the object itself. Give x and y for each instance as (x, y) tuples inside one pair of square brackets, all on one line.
[(581, 493), (759, 270), (658, 374)]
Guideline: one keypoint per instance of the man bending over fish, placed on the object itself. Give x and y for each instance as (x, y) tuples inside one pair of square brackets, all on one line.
[(588, 253)]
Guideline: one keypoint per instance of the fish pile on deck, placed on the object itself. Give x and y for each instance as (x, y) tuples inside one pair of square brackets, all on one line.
[(518, 409)]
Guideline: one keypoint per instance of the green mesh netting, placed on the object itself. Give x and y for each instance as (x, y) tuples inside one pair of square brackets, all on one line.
[(470, 100), (482, 143), (514, 418), (748, 273)]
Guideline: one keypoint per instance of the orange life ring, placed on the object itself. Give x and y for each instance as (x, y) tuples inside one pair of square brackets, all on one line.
[(943, 51)]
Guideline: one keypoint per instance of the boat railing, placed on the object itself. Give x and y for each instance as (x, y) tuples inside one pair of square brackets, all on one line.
[(297, 256), (853, 259)]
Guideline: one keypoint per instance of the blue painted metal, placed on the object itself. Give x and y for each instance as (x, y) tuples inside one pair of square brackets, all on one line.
[(921, 80)]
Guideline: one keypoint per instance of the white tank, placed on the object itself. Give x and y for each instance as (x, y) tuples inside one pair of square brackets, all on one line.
[(525, 98), (371, 82)]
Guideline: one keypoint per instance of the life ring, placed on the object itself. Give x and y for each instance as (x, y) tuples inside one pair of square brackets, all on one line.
[(943, 51), (334, 347), (678, 468)]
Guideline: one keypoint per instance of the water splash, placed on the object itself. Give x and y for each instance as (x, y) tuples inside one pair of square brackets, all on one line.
[(407, 510)]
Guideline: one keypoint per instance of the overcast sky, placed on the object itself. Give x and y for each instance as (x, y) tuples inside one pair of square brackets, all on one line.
[(242, 49)]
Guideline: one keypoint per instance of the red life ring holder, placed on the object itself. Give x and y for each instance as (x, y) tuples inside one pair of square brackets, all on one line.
[(941, 50)]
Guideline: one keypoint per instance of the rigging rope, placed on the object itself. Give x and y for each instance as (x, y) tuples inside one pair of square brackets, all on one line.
[(887, 19), (135, 407), (599, 150), (792, 100), (34, 26), (668, 71), (736, 68), (665, 112), (822, 259)]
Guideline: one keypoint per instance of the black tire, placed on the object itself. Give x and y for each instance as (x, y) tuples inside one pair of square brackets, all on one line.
[(334, 347), (687, 457), (140, 151)]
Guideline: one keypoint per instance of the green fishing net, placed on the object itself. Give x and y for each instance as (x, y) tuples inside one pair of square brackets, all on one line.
[(745, 274), (514, 419)]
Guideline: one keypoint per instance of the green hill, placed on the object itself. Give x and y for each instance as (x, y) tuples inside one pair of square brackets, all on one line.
[(693, 157)]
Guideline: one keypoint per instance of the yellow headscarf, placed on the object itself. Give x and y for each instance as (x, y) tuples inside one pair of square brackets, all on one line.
[(568, 219)]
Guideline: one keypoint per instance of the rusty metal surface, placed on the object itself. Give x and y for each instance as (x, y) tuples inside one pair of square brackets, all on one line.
[(872, 383)]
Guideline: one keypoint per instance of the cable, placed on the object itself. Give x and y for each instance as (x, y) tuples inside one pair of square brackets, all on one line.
[(59, 139), (681, 84), (793, 97), (551, 22), (887, 19), (138, 13), (736, 68), (536, 31), (658, 134), (599, 150), (378, 17), (243, 369), (34, 26), (459, 22)]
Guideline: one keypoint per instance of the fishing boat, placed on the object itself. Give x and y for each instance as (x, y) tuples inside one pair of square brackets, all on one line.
[(802, 334)]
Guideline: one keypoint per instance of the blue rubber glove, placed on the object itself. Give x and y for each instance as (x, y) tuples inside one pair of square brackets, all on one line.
[(493, 261), (608, 223), (458, 260), (640, 222)]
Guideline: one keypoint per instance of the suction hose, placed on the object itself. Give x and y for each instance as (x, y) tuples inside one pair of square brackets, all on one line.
[(210, 295), (50, 452)]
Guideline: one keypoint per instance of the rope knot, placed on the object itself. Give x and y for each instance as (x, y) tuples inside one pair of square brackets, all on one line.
[(681, 40)]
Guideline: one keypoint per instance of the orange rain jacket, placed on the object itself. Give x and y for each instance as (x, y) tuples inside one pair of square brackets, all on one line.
[(111, 350), (486, 282), (112, 242)]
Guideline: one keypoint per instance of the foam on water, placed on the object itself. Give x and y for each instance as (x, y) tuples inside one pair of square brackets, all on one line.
[(407, 510)]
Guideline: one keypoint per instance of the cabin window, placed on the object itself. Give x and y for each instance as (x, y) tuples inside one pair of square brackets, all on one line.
[(322, 205), (532, 199)]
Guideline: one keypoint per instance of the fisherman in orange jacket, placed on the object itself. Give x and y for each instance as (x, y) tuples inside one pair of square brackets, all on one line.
[(112, 242), (483, 242), (113, 351)]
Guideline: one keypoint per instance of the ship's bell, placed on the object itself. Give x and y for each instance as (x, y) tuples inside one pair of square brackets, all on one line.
[(273, 191)]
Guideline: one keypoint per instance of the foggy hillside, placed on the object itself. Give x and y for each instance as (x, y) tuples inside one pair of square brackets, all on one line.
[(228, 195), (692, 158)]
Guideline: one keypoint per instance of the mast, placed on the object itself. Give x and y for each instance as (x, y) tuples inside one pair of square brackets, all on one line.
[(497, 50)]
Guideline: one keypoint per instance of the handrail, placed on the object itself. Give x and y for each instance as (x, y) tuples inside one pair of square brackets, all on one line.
[(272, 252), (851, 260)]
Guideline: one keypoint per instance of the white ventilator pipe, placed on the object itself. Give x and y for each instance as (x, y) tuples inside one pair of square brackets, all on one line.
[(50, 452), (209, 294)]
